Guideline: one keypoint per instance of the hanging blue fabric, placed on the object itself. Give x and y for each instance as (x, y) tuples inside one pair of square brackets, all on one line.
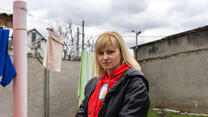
[(7, 71)]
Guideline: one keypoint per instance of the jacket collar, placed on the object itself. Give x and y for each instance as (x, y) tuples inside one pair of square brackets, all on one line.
[(116, 73), (129, 73)]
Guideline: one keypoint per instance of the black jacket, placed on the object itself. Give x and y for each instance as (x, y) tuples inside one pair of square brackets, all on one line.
[(127, 98)]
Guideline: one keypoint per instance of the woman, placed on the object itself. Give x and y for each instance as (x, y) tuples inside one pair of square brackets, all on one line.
[(120, 89)]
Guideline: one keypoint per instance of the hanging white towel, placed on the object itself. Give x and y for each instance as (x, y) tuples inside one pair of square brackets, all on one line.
[(53, 53)]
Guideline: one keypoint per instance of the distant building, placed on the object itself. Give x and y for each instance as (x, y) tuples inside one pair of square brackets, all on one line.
[(36, 42), (6, 20), (176, 67)]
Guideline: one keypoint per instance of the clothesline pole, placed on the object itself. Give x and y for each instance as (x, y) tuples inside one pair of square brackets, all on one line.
[(20, 59)]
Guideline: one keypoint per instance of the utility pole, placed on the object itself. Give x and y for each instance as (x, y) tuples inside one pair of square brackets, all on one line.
[(71, 35), (137, 33), (46, 94), (77, 41), (83, 34), (135, 51), (92, 46)]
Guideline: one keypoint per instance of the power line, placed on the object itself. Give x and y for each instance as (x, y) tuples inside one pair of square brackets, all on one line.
[(146, 36), (6, 10), (108, 28), (130, 35), (47, 19)]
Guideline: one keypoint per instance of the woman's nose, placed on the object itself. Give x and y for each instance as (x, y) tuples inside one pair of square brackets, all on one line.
[(105, 56)]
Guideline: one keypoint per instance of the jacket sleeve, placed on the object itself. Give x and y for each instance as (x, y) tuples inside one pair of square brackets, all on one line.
[(136, 100), (82, 111)]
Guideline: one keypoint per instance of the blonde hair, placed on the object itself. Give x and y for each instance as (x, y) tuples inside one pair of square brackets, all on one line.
[(116, 40)]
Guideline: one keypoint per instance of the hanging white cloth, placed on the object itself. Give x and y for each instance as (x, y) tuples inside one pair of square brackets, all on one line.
[(53, 53)]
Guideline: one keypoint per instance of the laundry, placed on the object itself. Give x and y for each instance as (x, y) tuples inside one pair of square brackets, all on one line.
[(87, 71), (53, 53), (7, 71)]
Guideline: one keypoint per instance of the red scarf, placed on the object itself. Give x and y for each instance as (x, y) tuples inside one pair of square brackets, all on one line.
[(101, 90)]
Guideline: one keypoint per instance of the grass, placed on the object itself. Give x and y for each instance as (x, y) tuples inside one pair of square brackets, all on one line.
[(163, 113)]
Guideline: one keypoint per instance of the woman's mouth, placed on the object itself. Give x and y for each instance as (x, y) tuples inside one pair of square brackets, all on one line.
[(106, 63)]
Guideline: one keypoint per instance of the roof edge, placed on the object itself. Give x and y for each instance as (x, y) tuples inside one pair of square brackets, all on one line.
[(176, 35)]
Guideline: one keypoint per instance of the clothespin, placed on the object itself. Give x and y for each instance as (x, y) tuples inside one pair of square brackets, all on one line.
[(51, 29), (3, 27)]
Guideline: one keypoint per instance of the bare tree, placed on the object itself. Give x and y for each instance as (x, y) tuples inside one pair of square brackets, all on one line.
[(71, 44), (67, 32), (89, 45)]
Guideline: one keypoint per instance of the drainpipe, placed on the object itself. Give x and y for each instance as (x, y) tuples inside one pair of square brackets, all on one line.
[(20, 59)]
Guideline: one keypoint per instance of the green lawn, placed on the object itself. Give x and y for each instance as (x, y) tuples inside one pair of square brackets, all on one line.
[(163, 113)]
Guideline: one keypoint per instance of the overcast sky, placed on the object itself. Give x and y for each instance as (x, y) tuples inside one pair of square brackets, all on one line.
[(155, 18)]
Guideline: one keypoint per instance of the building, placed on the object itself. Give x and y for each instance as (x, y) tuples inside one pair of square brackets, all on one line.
[(6, 20), (36, 42), (176, 67)]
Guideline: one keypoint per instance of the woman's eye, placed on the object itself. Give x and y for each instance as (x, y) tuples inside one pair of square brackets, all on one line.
[(100, 53), (110, 52)]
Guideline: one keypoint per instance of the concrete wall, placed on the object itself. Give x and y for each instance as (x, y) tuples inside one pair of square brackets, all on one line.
[(6, 101), (63, 90), (176, 68), (63, 101)]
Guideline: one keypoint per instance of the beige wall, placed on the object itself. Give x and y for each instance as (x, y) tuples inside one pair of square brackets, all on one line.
[(177, 71), (63, 101)]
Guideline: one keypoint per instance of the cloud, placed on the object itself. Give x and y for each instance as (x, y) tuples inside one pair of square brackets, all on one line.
[(131, 14), (94, 12), (153, 17), (127, 7), (6, 6)]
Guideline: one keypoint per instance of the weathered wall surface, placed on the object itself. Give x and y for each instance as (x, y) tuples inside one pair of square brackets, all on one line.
[(63, 90), (176, 68), (63, 101), (6, 101), (35, 80)]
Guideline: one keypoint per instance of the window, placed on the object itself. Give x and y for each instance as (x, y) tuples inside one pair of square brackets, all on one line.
[(39, 44), (33, 37)]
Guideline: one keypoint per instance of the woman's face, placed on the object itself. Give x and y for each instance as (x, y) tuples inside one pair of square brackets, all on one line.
[(109, 58)]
